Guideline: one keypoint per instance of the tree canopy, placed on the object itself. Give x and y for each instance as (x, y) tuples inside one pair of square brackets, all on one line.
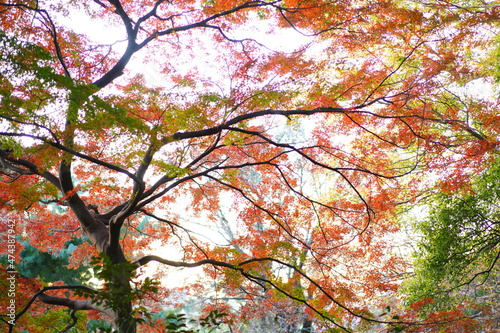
[(261, 150)]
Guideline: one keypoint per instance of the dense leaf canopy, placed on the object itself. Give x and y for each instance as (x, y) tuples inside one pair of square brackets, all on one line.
[(271, 145)]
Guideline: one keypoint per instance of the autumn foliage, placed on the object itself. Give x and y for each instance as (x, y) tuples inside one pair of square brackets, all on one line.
[(254, 157)]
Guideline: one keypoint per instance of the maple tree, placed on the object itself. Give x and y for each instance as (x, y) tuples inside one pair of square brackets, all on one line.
[(456, 262), (301, 157)]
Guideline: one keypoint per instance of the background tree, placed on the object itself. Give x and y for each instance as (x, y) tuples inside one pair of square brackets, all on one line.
[(91, 147), (458, 252)]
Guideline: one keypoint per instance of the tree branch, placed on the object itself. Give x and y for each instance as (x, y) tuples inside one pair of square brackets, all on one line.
[(74, 153), (239, 267), (93, 228), (51, 28), (288, 113)]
